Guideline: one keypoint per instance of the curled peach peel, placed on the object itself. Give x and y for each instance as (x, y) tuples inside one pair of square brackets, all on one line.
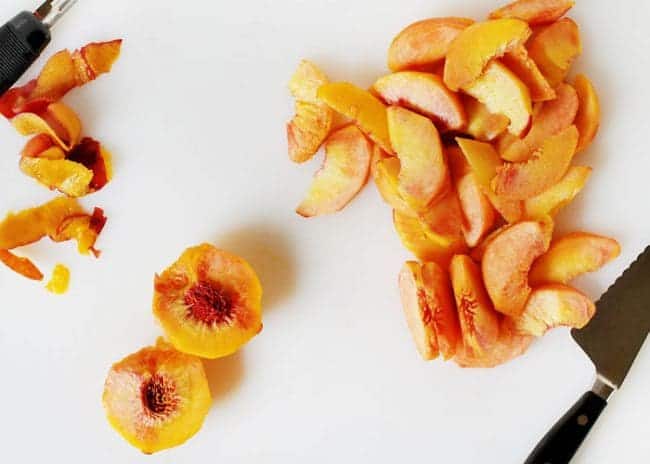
[(22, 266), (520, 63), (423, 93), (478, 212), (425, 43), (482, 124), (344, 173), (573, 255), (60, 280), (534, 11), (506, 263), (366, 110), (157, 398), (209, 302), (58, 121), (552, 306), (82, 228), (554, 49), (423, 175), (477, 45), (551, 201), (588, 118)]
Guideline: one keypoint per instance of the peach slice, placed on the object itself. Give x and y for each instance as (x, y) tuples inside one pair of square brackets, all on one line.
[(506, 263), (60, 280), (458, 165), (386, 173), (209, 302), (549, 119), (344, 173), (444, 218), (552, 306), (573, 255), (483, 125), (477, 45), (561, 194), (479, 250), (425, 43), (22, 266), (157, 398), (68, 177), (58, 121), (554, 49), (368, 112), (547, 166), (424, 175), (313, 120), (518, 61), (479, 322), (534, 11), (588, 118), (423, 93), (478, 211), (502, 92)]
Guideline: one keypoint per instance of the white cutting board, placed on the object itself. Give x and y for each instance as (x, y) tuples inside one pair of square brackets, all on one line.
[(194, 113)]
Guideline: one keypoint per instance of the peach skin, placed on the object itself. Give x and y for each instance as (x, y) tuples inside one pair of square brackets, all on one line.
[(554, 49), (588, 117), (534, 12), (551, 201)]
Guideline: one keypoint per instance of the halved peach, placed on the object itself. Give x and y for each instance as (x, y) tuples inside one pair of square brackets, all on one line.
[(551, 201), (423, 93), (424, 175), (552, 306), (588, 118), (477, 209), (20, 265), (477, 45), (344, 173), (518, 61), (479, 322), (368, 112), (534, 11), (425, 43), (481, 124), (502, 92), (554, 49), (385, 171), (506, 263), (549, 119), (573, 255), (209, 302), (547, 166)]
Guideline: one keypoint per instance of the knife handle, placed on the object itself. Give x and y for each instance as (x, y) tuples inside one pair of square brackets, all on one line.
[(562, 442)]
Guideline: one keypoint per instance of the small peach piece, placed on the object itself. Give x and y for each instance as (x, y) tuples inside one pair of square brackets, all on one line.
[(534, 11), (506, 263), (479, 322), (365, 109), (68, 177), (425, 43), (22, 266), (483, 125), (60, 280), (424, 175), (549, 119), (423, 93), (518, 61), (477, 45), (313, 120), (58, 121), (588, 118), (502, 92), (552, 306), (549, 164), (573, 255), (344, 173), (444, 218), (554, 49), (478, 211), (385, 174), (458, 165), (561, 194)]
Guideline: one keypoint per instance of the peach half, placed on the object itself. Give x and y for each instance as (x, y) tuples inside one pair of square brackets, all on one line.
[(551, 201), (209, 302), (588, 118), (554, 49), (534, 11), (344, 173)]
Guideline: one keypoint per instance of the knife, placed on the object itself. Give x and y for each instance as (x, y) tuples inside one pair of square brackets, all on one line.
[(23, 39), (612, 341)]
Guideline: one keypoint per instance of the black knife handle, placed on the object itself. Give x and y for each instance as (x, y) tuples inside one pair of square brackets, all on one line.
[(21, 41), (562, 442)]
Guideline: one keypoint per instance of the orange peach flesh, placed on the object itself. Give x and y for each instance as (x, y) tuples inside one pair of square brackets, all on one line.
[(478, 212), (518, 61), (534, 11), (22, 266), (554, 49), (385, 172), (481, 124), (551, 201), (588, 118), (444, 218)]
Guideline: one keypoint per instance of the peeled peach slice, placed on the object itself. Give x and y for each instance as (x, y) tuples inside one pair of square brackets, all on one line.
[(549, 119), (573, 255), (344, 173), (208, 302), (22, 266), (424, 174), (506, 263), (423, 93), (483, 125), (588, 118), (60, 280), (444, 218), (518, 61), (478, 211), (552, 306), (534, 11), (157, 398), (561, 194), (368, 112), (479, 322), (425, 43), (502, 92), (58, 121), (554, 49), (313, 120), (547, 166), (386, 174)]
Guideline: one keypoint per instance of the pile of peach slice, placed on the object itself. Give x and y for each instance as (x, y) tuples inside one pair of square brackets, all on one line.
[(472, 140)]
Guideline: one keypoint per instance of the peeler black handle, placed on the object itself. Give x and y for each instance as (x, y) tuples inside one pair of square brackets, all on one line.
[(21, 42)]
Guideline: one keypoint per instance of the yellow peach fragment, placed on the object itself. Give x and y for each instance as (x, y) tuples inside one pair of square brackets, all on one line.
[(518, 61), (554, 49), (551, 201), (534, 11), (588, 118), (60, 280), (68, 177), (59, 121), (483, 125)]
